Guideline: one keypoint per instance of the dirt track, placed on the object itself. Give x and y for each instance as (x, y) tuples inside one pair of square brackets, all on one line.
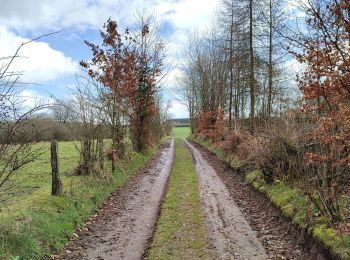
[(241, 223), (279, 237), (125, 224), (230, 234)]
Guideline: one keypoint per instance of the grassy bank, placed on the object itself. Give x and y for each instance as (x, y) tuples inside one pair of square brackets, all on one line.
[(181, 131), (180, 232), (294, 204), (35, 225)]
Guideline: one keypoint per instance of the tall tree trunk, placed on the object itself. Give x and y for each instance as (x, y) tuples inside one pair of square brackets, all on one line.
[(139, 138), (231, 70), (237, 90), (191, 115), (269, 100), (252, 78), (114, 136), (114, 153)]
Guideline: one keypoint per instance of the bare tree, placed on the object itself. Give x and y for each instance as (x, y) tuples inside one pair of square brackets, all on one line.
[(16, 148), (61, 110), (251, 67), (89, 128), (238, 65)]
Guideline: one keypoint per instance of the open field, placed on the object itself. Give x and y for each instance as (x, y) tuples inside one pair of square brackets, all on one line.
[(36, 224), (181, 132), (34, 180)]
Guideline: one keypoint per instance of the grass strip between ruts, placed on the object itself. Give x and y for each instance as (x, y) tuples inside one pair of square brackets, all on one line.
[(180, 232)]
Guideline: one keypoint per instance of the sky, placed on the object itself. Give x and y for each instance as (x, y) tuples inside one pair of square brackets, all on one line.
[(52, 62)]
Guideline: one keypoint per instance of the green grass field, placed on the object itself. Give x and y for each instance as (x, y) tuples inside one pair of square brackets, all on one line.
[(180, 232), (34, 180), (35, 224), (181, 132)]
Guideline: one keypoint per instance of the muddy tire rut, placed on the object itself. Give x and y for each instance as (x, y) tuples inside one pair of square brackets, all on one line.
[(230, 234), (125, 224), (279, 238)]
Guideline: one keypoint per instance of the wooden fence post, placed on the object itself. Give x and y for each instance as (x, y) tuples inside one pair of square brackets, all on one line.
[(56, 179)]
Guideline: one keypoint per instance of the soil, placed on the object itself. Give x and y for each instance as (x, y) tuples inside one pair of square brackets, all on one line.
[(230, 234), (124, 225), (251, 211)]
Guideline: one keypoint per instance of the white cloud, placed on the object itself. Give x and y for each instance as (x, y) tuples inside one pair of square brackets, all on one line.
[(38, 61), (173, 77), (44, 63), (176, 44), (295, 67), (55, 14), (34, 15), (32, 98), (188, 14), (185, 16), (178, 110)]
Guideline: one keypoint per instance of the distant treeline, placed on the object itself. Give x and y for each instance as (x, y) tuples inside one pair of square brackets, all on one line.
[(180, 122), (47, 129)]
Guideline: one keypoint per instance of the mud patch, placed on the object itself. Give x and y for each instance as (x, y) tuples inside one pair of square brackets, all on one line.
[(124, 225), (230, 234)]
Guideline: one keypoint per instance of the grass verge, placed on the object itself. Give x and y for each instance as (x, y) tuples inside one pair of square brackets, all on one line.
[(180, 232), (46, 225), (294, 205)]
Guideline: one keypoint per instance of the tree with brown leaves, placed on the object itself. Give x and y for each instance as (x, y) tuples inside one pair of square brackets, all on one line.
[(326, 88), (113, 65)]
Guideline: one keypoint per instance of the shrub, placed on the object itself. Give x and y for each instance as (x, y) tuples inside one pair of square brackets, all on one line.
[(277, 150), (211, 125), (231, 142)]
